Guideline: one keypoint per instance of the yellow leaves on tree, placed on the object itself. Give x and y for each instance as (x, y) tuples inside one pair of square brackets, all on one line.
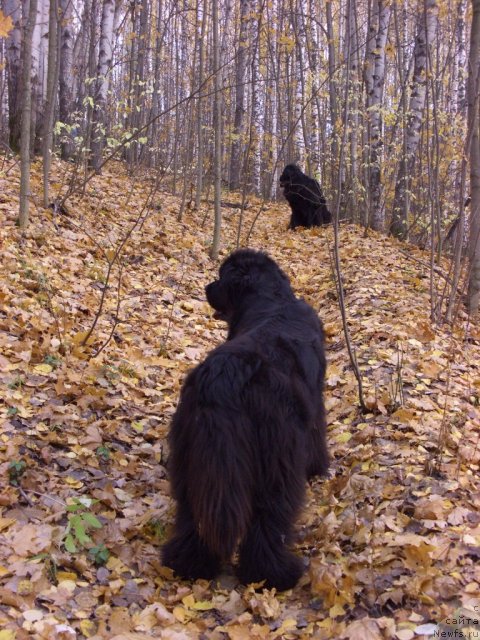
[(6, 25)]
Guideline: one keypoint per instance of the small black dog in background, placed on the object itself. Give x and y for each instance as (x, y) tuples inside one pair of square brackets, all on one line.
[(305, 197), (249, 430)]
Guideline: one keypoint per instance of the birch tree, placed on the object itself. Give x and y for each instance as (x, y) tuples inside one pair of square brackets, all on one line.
[(427, 27), (240, 76), (217, 134), (102, 81), (12, 8), (374, 84), (353, 123), (473, 90), (460, 58), (52, 81), (200, 37), (25, 137), (65, 88), (39, 73), (256, 106), (297, 11), (333, 99)]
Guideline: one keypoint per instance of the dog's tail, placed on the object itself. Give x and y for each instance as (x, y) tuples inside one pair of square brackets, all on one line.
[(220, 457)]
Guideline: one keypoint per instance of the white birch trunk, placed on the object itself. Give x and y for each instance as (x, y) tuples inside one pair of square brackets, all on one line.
[(39, 72), (239, 117), (256, 111), (217, 160), (314, 110), (52, 82), (201, 16), (65, 95), (460, 58), (374, 82), (300, 63), (473, 92), (425, 36), (105, 55)]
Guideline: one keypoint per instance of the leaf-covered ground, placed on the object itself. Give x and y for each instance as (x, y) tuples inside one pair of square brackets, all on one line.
[(392, 538)]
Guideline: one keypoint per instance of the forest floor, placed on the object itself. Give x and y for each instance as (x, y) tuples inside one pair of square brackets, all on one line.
[(391, 538)]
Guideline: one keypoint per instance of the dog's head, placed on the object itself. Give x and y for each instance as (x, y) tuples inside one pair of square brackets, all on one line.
[(245, 274), (289, 175)]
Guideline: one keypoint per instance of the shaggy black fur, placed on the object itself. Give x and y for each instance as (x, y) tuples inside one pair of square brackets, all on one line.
[(249, 430), (305, 197)]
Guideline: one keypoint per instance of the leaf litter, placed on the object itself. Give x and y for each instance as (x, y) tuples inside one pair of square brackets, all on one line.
[(391, 539)]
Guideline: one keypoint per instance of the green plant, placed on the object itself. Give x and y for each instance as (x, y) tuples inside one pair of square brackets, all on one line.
[(155, 530), (53, 361), (110, 372), (51, 568), (80, 521), (16, 470), (103, 453), (99, 555), (126, 369), (17, 383)]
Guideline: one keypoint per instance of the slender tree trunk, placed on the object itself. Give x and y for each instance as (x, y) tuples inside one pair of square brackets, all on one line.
[(12, 8), (352, 205), (52, 80), (374, 83), (256, 108), (297, 11), (200, 115), (314, 107), (139, 111), (458, 105), (217, 161), (102, 82), (460, 58), (65, 95), (473, 90), (333, 100), (239, 118), (26, 115), (154, 159), (426, 34), (92, 21), (39, 75)]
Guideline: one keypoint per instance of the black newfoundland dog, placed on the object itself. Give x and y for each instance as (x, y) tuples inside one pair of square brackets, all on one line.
[(305, 197), (249, 430)]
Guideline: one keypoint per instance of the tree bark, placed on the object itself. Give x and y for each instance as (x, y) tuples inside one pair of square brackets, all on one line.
[(39, 75), (217, 160), (200, 115), (426, 34), (26, 115), (65, 89), (239, 118), (52, 81), (256, 108), (12, 8), (473, 90), (102, 82), (374, 83), (332, 95)]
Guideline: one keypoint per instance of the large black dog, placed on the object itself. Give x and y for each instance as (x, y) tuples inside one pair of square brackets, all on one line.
[(305, 197), (249, 430)]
